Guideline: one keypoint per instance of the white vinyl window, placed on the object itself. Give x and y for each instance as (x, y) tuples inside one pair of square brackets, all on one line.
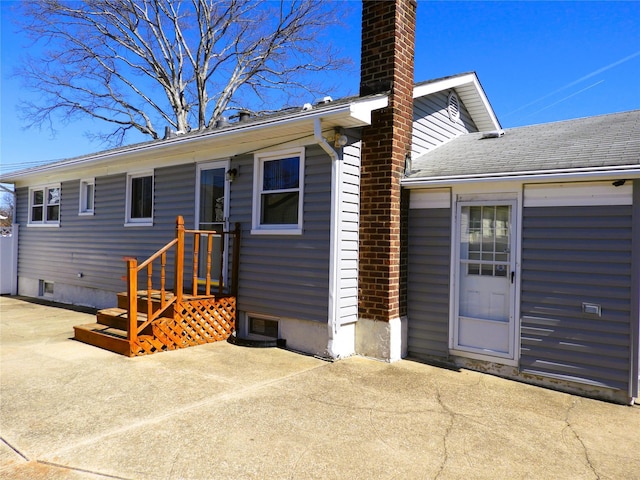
[(87, 193), (278, 192), (139, 207), (44, 205)]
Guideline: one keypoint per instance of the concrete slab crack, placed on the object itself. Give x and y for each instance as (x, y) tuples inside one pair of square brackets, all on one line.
[(569, 426), (446, 434), (67, 467), (22, 455)]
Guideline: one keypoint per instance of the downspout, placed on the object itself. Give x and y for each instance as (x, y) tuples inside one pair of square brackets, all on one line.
[(634, 380), (335, 236)]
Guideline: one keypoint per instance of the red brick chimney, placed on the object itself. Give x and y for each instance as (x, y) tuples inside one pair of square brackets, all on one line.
[(387, 62)]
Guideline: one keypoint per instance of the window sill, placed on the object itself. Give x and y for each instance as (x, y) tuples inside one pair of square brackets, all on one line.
[(85, 214), (139, 224), (43, 225), (276, 231)]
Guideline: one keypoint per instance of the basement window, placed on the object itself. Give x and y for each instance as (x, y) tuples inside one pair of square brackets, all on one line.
[(44, 206), (263, 326), (45, 288)]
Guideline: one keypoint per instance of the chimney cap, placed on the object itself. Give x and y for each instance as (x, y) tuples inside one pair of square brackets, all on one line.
[(376, 86)]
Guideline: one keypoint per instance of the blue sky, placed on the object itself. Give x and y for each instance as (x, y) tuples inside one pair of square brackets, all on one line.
[(537, 61)]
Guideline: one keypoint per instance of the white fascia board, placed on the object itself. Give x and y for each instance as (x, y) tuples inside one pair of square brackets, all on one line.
[(616, 172), (438, 86), (490, 120), (362, 109), (352, 114)]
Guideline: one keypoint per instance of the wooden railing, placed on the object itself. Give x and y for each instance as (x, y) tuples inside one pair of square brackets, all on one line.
[(169, 297)]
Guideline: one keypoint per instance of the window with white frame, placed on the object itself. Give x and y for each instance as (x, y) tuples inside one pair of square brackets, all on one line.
[(139, 199), (278, 192), (87, 192), (44, 205)]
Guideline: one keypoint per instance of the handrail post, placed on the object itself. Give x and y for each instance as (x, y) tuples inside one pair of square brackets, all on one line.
[(221, 263), (132, 300), (209, 250), (196, 254), (236, 260), (179, 260)]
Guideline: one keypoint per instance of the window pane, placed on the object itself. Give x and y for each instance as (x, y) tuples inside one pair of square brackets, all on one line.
[(212, 195), (53, 213), (88, 204), (488, 217), (36, 214), (53, 197), (141, 197), (281, 174), (279, 208), (38, 197)]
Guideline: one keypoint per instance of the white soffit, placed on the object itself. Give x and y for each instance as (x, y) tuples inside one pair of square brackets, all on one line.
[(469, 90)]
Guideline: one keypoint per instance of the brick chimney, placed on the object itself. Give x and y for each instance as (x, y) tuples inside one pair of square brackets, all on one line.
[(387, 62)]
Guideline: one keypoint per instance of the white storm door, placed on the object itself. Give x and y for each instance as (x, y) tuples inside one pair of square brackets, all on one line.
[(484, 319), (211, 214)]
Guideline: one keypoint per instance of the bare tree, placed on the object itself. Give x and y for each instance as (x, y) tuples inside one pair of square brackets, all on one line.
[(147, 64), (7, 207)]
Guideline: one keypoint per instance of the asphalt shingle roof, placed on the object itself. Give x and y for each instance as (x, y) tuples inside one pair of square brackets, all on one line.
[(592, 142)]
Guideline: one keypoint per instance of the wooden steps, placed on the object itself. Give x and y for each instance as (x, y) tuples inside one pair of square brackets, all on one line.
[(172, 319), (110, 331), (196, 320)]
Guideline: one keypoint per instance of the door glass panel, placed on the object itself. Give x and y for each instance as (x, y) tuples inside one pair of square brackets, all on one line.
[(211, 217), (485, 239)]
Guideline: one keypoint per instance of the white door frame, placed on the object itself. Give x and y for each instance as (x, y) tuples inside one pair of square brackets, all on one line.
[(459, 200), (223, 164)]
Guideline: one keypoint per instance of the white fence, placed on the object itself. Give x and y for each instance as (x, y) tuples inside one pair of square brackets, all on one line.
[(9, 260)]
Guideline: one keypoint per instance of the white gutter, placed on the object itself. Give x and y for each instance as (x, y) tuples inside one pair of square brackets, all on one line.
[(530, 176), (335, 235)]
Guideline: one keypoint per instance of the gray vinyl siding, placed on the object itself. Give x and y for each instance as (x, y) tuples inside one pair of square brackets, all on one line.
[(432, 126), (348, 227), (428, 281), (94, 245), (286, 276), (572, 255), (280, 275)]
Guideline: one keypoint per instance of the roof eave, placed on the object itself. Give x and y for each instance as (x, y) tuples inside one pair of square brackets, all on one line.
[(356, 113)]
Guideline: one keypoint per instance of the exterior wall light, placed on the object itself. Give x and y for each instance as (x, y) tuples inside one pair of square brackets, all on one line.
[(232, 174)]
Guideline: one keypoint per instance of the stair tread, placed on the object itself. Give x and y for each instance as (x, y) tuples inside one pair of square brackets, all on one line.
[(103, 329), (102, 336), (119, 312)]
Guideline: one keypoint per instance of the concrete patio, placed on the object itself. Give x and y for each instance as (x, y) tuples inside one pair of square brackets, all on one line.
[(219, 411)]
